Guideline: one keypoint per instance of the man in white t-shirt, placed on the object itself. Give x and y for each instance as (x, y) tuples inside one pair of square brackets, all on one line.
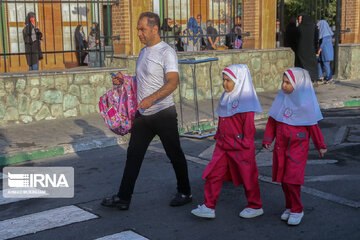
[(157, 78)]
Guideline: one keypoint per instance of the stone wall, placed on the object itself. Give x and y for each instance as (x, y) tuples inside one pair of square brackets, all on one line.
[(266, 67), (34, 96), (349, 61)]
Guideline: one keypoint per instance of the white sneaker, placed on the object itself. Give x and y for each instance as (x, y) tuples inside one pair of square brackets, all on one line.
[(203, 211), (286, 214), (295, 218), (251, 212)]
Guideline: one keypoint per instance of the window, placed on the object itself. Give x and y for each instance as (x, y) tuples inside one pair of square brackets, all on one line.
[(17, 13), (72, 15)]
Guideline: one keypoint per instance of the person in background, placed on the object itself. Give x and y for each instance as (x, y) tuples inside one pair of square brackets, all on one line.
[(96, 57), (32, 37), (94, 36), (305, 56), (212, 36), (326, 51), (170, 32), (278, 33), (233, 39), (238, 24), (291, 34), (191, 36), (80, 44), (179, 45), (202, 29)]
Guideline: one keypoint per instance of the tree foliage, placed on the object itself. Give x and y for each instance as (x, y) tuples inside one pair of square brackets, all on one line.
[(318, 9)]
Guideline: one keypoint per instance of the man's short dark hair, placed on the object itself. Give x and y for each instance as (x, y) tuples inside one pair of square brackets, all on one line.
[(152, 19)]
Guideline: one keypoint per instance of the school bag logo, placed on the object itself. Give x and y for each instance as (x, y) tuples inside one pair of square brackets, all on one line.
[(118, 106)]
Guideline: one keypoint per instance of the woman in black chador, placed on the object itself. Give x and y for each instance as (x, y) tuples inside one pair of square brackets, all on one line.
[(81, 45), (305, 48), (32, 37), (291, 34)]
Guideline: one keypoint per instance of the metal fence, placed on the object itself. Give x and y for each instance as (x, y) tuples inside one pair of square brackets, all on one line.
[(57, 21), (329, 10), (225, 16)]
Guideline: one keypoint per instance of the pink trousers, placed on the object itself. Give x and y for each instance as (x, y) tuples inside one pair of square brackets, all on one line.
[(227, 167)]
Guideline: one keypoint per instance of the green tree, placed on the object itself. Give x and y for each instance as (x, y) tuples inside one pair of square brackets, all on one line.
[(322, 10)]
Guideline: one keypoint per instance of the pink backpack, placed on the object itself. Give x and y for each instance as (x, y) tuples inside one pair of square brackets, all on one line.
[(118, 106)]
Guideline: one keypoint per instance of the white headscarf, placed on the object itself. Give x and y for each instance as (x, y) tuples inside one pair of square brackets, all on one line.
[(243, 97), (299, 108)]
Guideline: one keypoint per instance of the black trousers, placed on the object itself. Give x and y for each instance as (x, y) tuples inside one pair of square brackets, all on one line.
[(163, 124)]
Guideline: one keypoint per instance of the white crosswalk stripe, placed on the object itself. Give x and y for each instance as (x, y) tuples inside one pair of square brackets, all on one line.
[(126, 235), (40, 221)]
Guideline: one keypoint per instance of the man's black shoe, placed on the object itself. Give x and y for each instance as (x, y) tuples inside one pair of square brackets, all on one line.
[(115, 201), (180, 199)]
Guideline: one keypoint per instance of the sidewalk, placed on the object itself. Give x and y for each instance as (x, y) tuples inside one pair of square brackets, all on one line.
[(45, 139)]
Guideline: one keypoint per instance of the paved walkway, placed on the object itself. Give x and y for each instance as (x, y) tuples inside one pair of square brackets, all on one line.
[(56, 137)]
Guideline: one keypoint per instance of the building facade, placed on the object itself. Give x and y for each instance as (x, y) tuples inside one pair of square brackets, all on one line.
[(118, 18), (57, 21)]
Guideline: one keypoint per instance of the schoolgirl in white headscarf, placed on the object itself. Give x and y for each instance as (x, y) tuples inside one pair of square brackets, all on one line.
[(243, 97), (234, 155), (293, 118), (300, 108)]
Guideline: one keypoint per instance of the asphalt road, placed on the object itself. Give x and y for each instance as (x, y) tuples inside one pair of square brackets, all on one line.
[(331, 194)]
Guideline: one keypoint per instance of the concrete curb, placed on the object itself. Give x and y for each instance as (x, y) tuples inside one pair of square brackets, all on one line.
[(347, 103), (32, 155), (117, 140), (61, 150), (352, 103)]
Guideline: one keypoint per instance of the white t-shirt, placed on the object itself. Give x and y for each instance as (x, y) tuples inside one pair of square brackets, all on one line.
[(151, 67)]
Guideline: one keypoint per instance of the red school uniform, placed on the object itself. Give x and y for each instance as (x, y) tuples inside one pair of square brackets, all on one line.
[(234, 155), (291, 149), (293, 120), (234, 159)]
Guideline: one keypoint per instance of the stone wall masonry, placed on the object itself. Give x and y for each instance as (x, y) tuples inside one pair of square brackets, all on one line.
[(29, 97), (349, 61), (34, 96), (266, 67)]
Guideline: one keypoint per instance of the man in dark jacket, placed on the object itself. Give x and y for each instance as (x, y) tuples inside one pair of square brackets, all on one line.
[(32, 37)]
